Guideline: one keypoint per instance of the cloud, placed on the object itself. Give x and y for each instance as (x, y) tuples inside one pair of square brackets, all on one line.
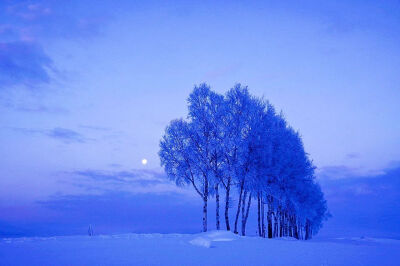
[(145, 176), (343, 172), (364, 205), (95, 128), (115, 165), (137, 200), (353, 155), (355, 184), (133, 181), (25, 29), (41, 20), (39, 108), (28, 11), (125, 212), (108, 213), (63, 134), (66, 135), (24, 63)]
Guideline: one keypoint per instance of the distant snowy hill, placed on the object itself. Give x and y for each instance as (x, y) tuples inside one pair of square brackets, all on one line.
[(211, 248)]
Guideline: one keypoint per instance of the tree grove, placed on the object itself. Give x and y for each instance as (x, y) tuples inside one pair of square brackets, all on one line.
[(237, 144)]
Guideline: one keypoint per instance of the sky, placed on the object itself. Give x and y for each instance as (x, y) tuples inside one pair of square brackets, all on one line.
[(87, 89)]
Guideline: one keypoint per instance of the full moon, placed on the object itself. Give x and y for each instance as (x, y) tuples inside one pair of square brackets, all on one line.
[(144, 161)]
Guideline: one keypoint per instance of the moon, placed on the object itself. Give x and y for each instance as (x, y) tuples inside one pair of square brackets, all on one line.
[(144, 161)]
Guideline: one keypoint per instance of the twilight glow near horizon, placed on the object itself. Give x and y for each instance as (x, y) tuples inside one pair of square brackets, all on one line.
[(87, 89)]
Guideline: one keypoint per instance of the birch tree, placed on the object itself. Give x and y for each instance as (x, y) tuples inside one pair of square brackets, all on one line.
[(181, 163), (239, 141), (206, 110)]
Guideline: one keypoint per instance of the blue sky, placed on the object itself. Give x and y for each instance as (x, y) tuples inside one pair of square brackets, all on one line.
[(86, 90)]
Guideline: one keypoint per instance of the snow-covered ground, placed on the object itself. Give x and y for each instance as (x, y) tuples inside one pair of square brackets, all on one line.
[(211, 248)]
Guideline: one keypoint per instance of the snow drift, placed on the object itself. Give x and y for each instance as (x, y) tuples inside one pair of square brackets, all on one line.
[(211, 248), (205, 239)]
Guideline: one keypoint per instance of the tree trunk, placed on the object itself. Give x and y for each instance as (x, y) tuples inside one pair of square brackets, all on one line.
[(262, 217), (285, 225), (238, 208), (296, 229), (259, 213), (280, 224), (244, 222), (243, 209), (205, 199), (269, 216), (228, 188), (308, 230), (204, 214), (217, 206), (301, 231)]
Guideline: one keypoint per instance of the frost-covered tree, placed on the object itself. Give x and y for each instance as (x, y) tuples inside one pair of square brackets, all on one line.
[(243, 113), (239, 141), (206, 111), (285, 176), (181, 163), (191, 151)]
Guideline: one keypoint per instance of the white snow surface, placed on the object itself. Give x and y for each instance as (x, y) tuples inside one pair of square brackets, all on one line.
[(211, 248), (205, 239)]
